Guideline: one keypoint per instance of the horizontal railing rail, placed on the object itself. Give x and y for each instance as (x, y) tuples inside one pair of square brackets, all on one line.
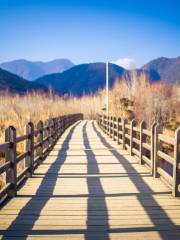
[(38, 142), (147, 144)]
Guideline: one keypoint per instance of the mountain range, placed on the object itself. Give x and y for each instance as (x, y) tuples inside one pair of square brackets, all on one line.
[(168, 69), (32, 70), (15, 84), (82, 79), (88, 78)]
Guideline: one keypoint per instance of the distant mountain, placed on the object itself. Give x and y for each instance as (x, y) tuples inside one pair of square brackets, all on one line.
[(168, 69), (16, 84), (33, 70), (84, 78)]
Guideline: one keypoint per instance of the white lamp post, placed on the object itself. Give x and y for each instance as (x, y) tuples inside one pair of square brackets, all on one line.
[(107, 89)]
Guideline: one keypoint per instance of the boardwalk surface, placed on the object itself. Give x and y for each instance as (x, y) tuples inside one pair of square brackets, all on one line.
[(89, 188)]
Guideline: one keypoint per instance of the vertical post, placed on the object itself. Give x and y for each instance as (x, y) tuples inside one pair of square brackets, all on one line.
[(51, 133), (152, 146), (114, 129), (46, 132), (111, 126), (107, 90), (142, 140), (133, 122), (123, 133), (10, 156), (29, 146), (176, 166), (59, 127), (40, 137), (118, 121), (106, 123), (156, 148), (63, 123)]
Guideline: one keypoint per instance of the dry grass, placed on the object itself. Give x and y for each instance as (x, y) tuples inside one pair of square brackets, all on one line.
[(146, 101), (18, 110), (136, 98), (129, 99)]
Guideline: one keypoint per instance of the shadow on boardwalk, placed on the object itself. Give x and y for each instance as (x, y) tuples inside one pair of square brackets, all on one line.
[(142, 187), (15, 229), (96, 228), (94, 202)]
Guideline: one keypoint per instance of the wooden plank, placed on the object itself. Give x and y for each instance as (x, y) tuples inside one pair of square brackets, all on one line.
[(165, 175), (90, 188), (4, 146), (4, 167), (166, 139), (166, 157)]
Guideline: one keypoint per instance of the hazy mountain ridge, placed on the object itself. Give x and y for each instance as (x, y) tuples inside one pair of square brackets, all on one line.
[(85, 78), (15, 84), (32, 70), (168, 69), (88, 78)]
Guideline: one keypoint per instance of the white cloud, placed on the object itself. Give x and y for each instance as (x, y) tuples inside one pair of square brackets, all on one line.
[(127, 63)]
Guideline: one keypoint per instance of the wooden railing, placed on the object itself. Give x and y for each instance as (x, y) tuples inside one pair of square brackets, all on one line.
[(37, 144), (159, 152)]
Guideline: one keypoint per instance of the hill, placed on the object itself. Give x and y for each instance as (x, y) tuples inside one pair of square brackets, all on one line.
[(84, 78), (168, 69), (81, 79), (16, 84), (32, 70)]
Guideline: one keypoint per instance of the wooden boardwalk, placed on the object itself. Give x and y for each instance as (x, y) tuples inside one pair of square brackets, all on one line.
[(89, 188)]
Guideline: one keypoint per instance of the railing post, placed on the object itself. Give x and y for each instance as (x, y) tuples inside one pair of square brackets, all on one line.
[(176, 166), (118, 121), (142, 139), (131, 136), (51, 133), (106, 125), (11, 174), (46, 135), (114, 129), (111, 127), (108, 120), (123, 133), (59, 127), (29, 147), (152, 146), (40, 137), (54, 130), (156, 148), (101, 122), (63, 123)]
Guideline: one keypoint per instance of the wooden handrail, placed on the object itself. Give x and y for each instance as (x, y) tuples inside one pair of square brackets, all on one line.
[(46, 134), (146, 144)]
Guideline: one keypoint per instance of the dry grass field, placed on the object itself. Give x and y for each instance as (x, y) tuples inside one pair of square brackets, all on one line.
[(136, 99), (151, 102), (17, 110)]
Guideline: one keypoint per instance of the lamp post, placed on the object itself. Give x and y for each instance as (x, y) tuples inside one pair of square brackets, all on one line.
[(107, 89)]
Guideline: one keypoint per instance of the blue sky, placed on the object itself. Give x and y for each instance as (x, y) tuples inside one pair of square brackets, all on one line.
[(89, 31)]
